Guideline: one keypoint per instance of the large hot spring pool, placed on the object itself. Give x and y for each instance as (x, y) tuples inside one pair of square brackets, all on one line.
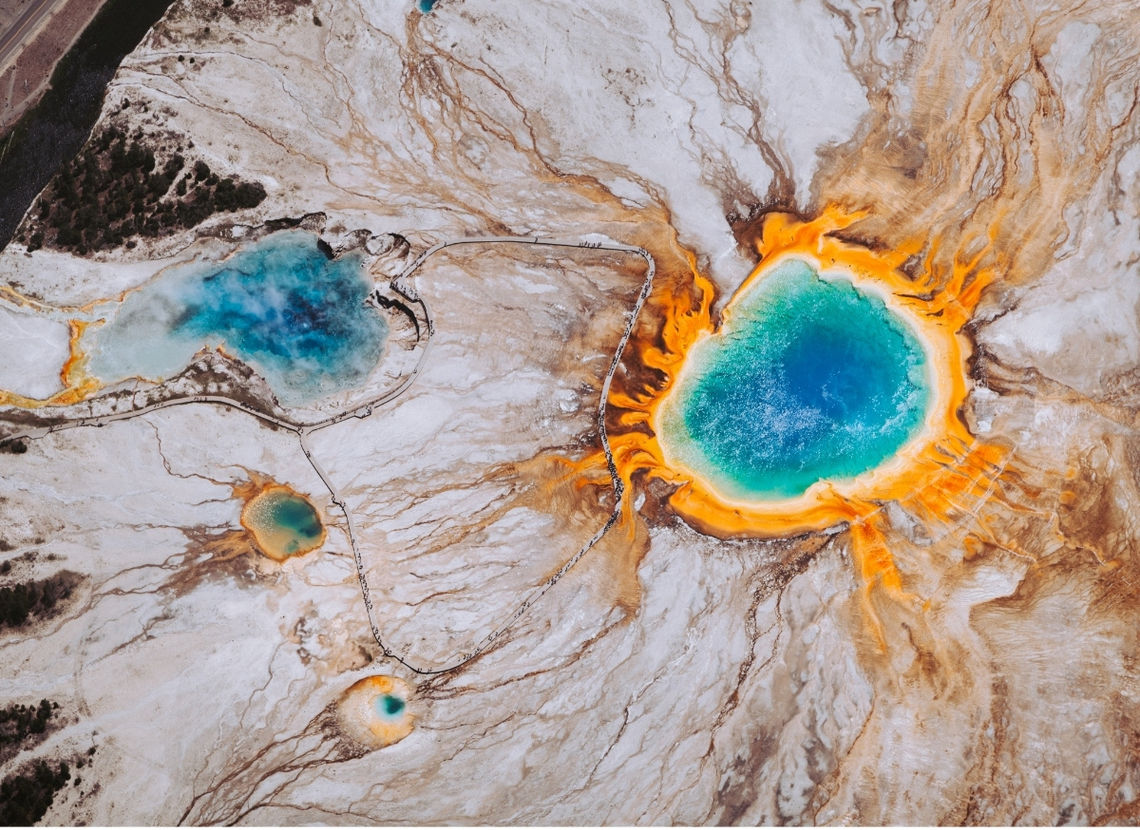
[(809, 378), (280, 305)]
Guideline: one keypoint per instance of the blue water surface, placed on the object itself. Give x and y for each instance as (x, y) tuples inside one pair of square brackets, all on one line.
[(426, 5), (389, 707), (809, 379), (280, 305), (296, 515)]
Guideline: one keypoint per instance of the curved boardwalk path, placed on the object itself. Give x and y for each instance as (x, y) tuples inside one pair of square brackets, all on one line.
[(305, 428)]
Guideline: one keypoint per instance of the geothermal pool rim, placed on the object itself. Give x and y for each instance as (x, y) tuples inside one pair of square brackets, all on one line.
[(302, 429)]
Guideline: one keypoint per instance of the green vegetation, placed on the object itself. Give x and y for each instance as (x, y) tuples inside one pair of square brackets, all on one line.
[(18, 721), (25, 796), (34, 598), (54, 130), (117, 188), (260, 9)]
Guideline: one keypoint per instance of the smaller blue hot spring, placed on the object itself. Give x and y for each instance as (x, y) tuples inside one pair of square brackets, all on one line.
[(281, 305)]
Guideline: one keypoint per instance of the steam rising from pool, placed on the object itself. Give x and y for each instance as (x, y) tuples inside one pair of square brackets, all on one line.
[(281, 306), (808, 379)]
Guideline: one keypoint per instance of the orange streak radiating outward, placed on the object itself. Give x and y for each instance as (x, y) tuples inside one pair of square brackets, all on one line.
[(77, 384), (937, 475)]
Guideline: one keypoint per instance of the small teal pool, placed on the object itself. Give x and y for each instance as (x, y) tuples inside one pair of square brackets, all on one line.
[(808, 379), (295, 515), (283, 523), (426, 5), (280, 305), (389, 707)]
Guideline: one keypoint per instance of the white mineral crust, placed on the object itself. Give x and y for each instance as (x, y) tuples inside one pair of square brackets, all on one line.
[(669, 677)]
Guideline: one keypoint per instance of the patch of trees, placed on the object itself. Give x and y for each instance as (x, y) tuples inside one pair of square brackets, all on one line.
[(117, 189), (55, 129), (18, 721), (34, 598), (26, 796), (260, 9), (16, 447)]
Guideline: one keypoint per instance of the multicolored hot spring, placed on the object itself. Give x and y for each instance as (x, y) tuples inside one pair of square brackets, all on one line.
[(283, 523), (808, 378), (833, 381), (374, 711), (280, 305)]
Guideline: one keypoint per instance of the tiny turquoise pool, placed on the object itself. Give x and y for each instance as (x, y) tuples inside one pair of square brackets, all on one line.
[(808, 379), (389, 707), (280, 305)]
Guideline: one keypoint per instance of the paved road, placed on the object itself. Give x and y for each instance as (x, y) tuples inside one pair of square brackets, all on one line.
[(12, 41)]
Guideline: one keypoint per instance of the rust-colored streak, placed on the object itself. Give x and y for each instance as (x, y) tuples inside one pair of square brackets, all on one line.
[(74, 368)]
